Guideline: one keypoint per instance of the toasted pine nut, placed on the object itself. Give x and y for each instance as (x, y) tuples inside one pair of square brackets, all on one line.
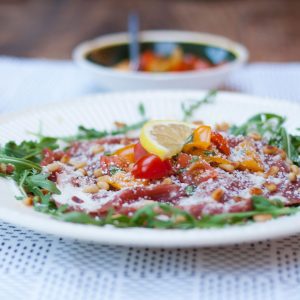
[(271, 187), (199, 122), (217, 194), (273, 171), (104, 178), (292, 177), (255, 135), (65, 159), (226, 167), (28, 201), (270, 150), (124, 141), (167, 180), (119, 124), (255, 191), (83, 171), (53, 167), (283, 154), (102, 185), (92, 189), (262, 217), (97, 149), (3, 167), (79, 165), (98, 173), (295, 169), (180, 219), (224, 126)]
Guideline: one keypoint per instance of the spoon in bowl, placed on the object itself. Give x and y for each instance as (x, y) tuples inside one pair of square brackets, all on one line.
[(134, 47)]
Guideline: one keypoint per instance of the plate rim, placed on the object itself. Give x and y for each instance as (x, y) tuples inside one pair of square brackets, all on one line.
[(108, 235)]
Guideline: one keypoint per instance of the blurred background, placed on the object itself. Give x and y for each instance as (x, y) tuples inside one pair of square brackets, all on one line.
[(270, 29)]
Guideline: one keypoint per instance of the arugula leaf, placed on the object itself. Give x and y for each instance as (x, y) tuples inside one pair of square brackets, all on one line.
[(42, 181), (19, 163), (271, 128), (190, 189), (114, 169), (189, 111), (161, 215), (141, 109), (29, 150)]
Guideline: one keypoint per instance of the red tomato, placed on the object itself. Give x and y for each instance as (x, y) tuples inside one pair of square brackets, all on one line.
[(151, 167), (139, 151), (221, 143), (107, 161)]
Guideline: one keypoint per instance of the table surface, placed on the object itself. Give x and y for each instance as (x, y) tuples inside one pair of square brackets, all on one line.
[(33, 28)]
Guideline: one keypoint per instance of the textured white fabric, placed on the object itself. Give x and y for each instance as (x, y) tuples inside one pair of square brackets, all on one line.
[(35, 266)]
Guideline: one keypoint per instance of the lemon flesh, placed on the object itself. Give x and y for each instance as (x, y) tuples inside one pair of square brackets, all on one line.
[(165, 138)]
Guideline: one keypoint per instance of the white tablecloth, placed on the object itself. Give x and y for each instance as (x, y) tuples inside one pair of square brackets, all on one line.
[(36, 266)]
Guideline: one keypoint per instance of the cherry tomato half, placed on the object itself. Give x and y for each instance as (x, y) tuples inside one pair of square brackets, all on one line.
[(139, 151), (221, 143), (151, 167)]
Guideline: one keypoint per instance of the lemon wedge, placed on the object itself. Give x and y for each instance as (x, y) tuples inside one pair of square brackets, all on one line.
[(165, 138)]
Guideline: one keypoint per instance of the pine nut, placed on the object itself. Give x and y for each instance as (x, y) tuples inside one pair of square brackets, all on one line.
[(295, 169), (104, 178), (83, 171), (283, 154), (255, 191), (98, 173), (119, 124), (226, 167), (97, 149), (255, 136), (79, 165), (224, 126), (167, 180), (292, 177), (270, 150), (273, 171), (271, 187), (198, 123), (91, 189), (217, 194), (102, 185), (65, 159), (28, 201), (53, 167), (262, 217), (180, 219), (3, 168)]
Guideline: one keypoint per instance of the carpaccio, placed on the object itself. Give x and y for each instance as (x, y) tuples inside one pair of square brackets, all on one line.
[(199, 184)]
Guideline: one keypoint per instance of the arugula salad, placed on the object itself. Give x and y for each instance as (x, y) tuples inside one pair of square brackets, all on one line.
[(172, 174)]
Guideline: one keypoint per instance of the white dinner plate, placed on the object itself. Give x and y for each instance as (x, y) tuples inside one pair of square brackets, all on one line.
[(100, 111)]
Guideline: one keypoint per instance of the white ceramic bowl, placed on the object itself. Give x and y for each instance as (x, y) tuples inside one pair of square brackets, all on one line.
[(113, 79)]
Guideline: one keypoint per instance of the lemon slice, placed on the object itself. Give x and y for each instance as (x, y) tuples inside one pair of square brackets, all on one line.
[(165, 138)]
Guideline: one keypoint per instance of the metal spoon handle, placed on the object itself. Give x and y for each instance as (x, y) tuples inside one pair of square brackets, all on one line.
[(134, 49)]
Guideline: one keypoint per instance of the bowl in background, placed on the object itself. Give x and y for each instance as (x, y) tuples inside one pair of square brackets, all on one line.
[(99, 57)]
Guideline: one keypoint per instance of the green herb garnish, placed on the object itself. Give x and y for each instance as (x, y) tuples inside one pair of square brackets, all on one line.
[(271, 128), (190, 189), (113, 170), (189, 110)]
